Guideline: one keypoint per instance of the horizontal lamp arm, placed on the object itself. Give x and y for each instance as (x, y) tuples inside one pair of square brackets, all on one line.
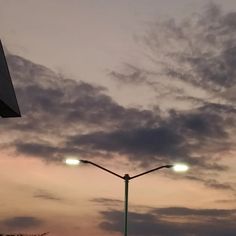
[(149, 171), (100, 167)]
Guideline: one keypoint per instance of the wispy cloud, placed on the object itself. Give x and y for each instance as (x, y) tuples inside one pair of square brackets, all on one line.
[(199, 51), (62, 116), (178, 221), (107, 202), (42, 194), (54, 107), (21, 222)]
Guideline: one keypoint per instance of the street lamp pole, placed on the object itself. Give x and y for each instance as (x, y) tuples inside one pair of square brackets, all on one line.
[(126, 178)]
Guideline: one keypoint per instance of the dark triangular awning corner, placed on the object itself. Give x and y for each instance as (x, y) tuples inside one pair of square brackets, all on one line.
[(8, 101)]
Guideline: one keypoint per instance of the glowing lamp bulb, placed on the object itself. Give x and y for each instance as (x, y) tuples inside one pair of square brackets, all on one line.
[(72, 161), (180, 167)]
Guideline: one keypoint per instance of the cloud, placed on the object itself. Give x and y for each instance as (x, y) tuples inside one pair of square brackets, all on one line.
[(215, 184), (62, 116), (22, 222), (191, 65), (199, 51), (133, 75), (54, 107), (146, 141), (61, 100), (193, 136), (107, 202), (42, 150), (169, 221), (212, 183), (42, 194), (183, 211)]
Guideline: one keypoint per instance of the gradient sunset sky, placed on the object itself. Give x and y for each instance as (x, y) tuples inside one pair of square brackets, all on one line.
[(130, 85)]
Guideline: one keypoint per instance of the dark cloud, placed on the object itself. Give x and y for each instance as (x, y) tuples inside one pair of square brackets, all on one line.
[(43, 150), (204, 124), (62, 116), (199, 51), (45, 95), (22, 222), (142, 142), (169, 221), (183, 211), (133, 75), (192, 61), (212, 183), (196, 137), (208, 56), (107, 202), (177, 137), (54, 107), (42, 194)]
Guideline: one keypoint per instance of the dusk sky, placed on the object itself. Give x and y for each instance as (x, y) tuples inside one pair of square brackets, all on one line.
[(130, 85)]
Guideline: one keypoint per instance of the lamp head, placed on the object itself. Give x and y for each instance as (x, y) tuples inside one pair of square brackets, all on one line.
[(72, 161), (180, 167)]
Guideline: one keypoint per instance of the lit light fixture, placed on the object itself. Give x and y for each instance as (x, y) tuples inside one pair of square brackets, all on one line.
[(180, 167), (72, 161), (177, 167)]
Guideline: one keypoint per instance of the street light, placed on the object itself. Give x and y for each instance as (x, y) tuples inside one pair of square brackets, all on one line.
[(72, 161), (179, 167)]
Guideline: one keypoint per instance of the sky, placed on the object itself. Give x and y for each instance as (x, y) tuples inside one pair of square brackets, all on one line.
[(130, 85)]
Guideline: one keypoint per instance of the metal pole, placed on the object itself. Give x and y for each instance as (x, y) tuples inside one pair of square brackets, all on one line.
[(126, 178)]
